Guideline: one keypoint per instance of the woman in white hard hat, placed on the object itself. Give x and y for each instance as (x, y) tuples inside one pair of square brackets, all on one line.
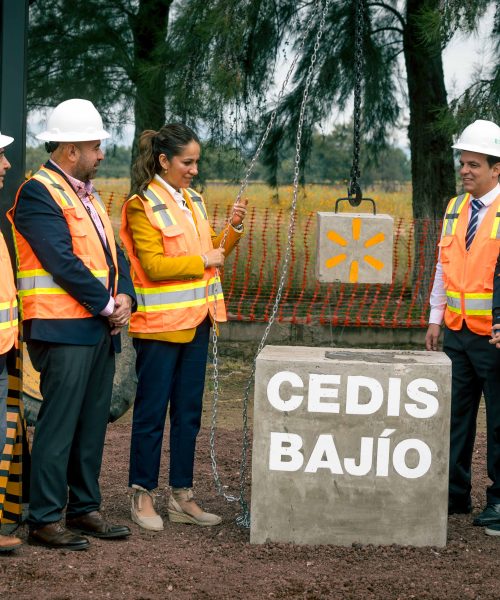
[(8, 330), (175, 256), (462, 296)]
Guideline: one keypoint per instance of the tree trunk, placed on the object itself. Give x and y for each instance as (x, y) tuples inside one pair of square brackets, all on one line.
[(432, 167), (431, 156), (149, 28)]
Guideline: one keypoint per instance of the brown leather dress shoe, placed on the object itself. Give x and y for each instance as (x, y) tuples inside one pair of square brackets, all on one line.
[(9, 542), (55, 535), (94, 524)]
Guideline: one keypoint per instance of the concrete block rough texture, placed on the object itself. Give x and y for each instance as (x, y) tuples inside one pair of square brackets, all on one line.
[(350, 446), (354, 248)]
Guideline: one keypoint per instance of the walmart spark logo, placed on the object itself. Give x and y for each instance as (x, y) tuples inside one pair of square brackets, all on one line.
[(336, 238)]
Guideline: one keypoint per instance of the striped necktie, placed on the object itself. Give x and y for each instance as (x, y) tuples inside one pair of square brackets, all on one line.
[(476, 206)]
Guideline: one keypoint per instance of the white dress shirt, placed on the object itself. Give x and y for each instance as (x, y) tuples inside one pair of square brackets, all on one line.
[(438, 294)]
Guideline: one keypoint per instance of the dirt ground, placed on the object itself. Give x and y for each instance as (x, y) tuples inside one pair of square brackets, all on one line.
[(187, 562)]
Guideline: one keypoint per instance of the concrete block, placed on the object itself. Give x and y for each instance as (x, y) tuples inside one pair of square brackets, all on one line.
[(354, 248), (350, 446)]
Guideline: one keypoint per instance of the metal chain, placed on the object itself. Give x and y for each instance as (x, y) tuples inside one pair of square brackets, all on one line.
[(272, 118), (354, 190), (215, 375), (244, 518)]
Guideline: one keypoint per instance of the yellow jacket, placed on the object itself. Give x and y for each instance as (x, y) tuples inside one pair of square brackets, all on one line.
[(148, 244)]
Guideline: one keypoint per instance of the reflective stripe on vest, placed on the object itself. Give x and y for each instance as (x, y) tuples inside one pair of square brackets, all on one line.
[(468, 274), (478, 304), (45, 177), (198, 203), (9, 317), (8, 314), (172, 305), (178, 296), (452, 213), (495, 232), (163, 216), (41, 297), (38, 281)]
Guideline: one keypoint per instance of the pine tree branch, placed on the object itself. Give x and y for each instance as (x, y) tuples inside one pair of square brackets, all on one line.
[(390, 9)]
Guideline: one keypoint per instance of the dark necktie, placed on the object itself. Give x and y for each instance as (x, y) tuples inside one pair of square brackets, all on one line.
[(476, 205)]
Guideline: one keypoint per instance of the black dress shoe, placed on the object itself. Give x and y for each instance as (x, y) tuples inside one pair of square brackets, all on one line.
[(459, 507), (94, 524), (54, 535), (490, 515)]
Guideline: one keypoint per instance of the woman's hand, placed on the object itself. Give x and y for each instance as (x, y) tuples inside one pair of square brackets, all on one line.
[(239, 212), (214, 258)]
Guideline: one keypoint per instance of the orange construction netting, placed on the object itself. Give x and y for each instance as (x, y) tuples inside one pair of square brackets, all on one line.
[(252, 273)]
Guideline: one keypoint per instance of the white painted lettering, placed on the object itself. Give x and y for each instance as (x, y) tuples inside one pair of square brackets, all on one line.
[(415, 393), (273, 391), (325, 447), (424, 458), (365, 459), (383, 446), (285, 445), (353, 405), (393, 397), (411, 458), (317, 392)]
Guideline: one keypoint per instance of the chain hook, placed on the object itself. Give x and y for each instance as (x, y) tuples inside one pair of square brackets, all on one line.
[(354, 192)]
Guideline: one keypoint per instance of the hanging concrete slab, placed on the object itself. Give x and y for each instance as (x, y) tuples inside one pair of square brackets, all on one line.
[(350, 446), (354, 248)]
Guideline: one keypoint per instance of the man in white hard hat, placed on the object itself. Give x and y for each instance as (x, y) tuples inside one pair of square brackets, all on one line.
[(8, 329), (76, 294), (462, 295)]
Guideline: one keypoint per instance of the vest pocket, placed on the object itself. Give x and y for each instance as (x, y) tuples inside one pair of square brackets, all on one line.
[(78, 230), (75, 221), (445, 245), (174, 241), (445, 248)]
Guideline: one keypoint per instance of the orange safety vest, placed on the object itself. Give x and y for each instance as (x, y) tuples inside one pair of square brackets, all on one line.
[(40, 296), (8, 301), (173, 305), (468, 275)]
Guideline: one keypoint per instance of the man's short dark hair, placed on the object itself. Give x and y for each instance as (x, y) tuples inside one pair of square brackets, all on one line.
[(492, 160), (51, 146)]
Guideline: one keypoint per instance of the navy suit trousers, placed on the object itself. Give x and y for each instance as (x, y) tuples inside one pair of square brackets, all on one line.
[(475, 370), (76, 384), (168, 374)]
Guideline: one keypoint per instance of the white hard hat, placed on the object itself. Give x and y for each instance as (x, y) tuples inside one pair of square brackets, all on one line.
[(5, 140), (482, 137), (74, 120)]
